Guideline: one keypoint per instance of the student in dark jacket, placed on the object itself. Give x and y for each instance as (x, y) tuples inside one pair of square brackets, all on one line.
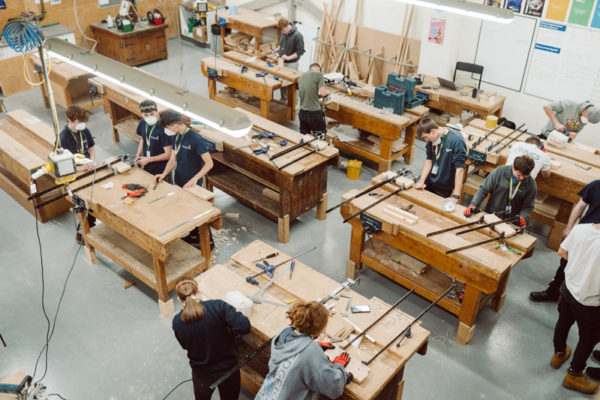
[(77, 138), (206, 330), (291, 48), (444, 167), (511, 189), (155, 147)]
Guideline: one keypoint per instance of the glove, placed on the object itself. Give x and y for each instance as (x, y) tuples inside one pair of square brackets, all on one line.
[(349, 377), (521, 221), (471, 210), (326, 346), (343, 359)]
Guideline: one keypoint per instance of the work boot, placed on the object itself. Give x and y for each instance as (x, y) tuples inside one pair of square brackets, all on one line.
[(593, 373), (559, 359), (596, 355), (578, 381), (543, 296)]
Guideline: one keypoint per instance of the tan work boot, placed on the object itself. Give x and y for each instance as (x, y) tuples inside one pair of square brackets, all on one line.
[(579, 382), (558, 360)]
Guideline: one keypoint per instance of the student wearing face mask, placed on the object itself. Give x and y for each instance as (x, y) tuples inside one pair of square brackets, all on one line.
[(511, 189), (444, 167), (569, 117), (77, 138), (155, 147)]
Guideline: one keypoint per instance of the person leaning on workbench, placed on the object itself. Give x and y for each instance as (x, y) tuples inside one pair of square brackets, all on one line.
[(190, 160), (291, 48), (531, 147), (446, 154), (207, 330), (298, 366), (590, 199), (311, 86), (511, 189), (155, 147), (77, 138), (569, 117), (579, 302)]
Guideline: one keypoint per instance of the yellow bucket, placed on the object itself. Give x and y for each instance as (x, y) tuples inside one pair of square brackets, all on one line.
[(491, 121), (353, 169)]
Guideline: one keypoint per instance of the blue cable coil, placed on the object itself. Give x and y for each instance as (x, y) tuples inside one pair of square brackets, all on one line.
[(22, 36)]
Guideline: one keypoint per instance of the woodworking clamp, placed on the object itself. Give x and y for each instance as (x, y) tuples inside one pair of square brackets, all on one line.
[(268, 268), (334, 293), (269, 135)]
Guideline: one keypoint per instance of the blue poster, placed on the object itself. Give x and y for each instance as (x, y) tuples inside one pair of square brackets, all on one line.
[(514, 5), (596, 17)]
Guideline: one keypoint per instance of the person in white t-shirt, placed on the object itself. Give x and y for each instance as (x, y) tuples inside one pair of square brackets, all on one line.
[(579, 303), (531, 147)]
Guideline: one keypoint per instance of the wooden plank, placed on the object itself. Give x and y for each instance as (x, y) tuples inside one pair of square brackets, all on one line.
[(34, 125), (286, 73)]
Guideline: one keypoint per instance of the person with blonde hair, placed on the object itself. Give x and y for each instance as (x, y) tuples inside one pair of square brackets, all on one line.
[(298, 366), (206, 330)]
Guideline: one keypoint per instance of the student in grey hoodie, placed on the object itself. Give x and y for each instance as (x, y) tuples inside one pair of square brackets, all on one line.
[(291, 48), (298, 367)]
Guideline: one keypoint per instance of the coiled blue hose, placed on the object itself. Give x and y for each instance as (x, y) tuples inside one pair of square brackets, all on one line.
[(22, 36)]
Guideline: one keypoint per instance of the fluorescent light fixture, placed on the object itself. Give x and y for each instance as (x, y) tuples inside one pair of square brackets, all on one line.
[(209, 112), (475, 10)]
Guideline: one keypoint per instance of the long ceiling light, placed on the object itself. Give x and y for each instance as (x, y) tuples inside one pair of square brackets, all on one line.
[(489, 13), (209, 112)]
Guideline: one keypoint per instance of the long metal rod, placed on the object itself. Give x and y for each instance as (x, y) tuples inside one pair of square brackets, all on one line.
[(281, 263), (490, 225), (375, 203), (365, 53), (505, 137), (499, 149), (469, 246), (60, 196), (349, 283), (294, 147), (364, 331), (400, 172), (409, 325), (313, 151), (484, 137), (453, 228)]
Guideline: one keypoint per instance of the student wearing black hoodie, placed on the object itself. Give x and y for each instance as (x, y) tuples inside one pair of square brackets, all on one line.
[(298, 367), (291, 47), (206, 329)]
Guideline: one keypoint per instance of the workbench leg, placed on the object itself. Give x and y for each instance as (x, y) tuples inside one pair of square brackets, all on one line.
[(291, 101), (357, 243), (322, 208), (205, 245), (212, 88), (350, 269), (113, 121), (264, 109), (556, 235), (468, 312), (385, 156), (500, 295), (410, 133), (400, 390), (165, 305), (90, 252), (394, 388), (283, 229)]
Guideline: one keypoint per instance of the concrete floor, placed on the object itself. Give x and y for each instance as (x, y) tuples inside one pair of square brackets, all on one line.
[(111, 343)]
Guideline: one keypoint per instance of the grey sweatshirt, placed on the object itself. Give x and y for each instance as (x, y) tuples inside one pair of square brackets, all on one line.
[(299, 367), (568, 113), (291, 43), (497, 186)]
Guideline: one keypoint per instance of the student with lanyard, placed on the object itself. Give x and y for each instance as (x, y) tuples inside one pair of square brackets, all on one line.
[(298, 367), (77, 138), (155, 148), (190, 161), (207, 331), (511, 189), (446, 153)]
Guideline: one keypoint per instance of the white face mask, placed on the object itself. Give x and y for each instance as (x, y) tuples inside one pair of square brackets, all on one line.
[(80, 126), (584, 120), (437, 141), (150, 120), (169, 132)]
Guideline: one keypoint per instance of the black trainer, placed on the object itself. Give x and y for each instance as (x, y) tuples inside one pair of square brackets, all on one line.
[(596, 355), (544, 296), (593, 373)]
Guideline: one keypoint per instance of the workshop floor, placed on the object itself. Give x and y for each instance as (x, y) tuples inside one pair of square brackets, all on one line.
[(111, 343)]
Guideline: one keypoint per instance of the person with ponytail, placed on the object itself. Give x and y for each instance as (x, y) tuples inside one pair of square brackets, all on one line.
[(206, 330), (298, 367)]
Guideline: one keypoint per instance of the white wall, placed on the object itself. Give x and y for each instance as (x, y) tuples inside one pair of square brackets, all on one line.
[(460, 44)]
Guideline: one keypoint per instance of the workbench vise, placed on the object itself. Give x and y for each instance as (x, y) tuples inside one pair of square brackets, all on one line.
[(26, 390)]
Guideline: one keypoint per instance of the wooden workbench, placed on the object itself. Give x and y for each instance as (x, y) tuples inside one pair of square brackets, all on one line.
[(145, 43), (123, 107), (573, 167), (454, 102), (251, 23), (385, 376), (260, 90), (282, 195), (144, 238), (25, 142), (69, 84), (289, 74), (483, 270), (388, 127)]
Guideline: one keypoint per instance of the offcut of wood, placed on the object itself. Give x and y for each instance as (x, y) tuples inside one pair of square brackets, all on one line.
[(500, 228), (400, 214), (359, 371), (271, 194)]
